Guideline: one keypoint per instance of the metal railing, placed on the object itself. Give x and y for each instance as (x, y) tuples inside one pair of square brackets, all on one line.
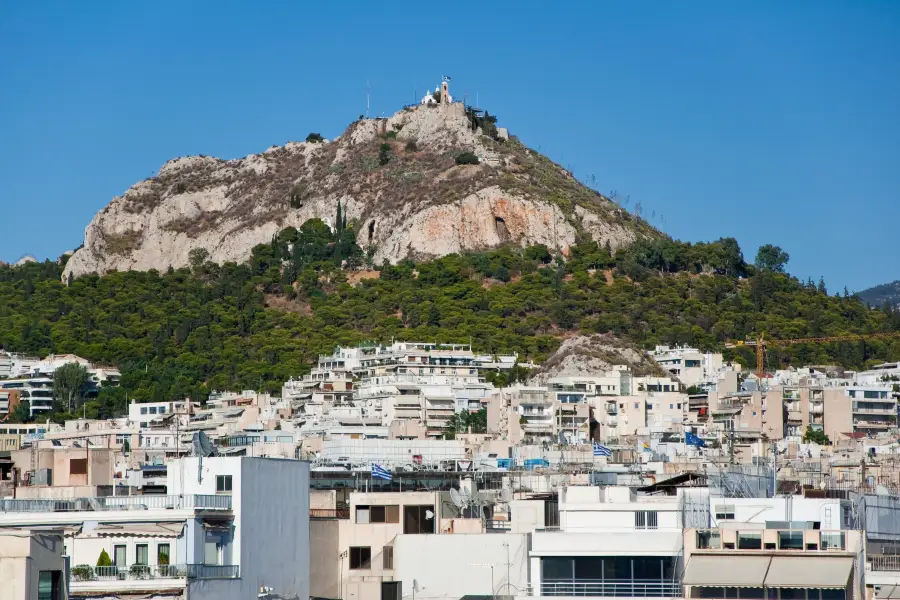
[(884, 562), (628, 588), (81, 573), (213, 571), (100, 503), (329, 513)]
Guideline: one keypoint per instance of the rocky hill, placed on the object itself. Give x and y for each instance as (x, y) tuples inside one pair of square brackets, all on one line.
[(880, 294), (397, 179)]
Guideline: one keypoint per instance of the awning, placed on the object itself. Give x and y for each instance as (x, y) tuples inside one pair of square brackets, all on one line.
[(141, 529), (726, 571), (888, 592), (809, 572)]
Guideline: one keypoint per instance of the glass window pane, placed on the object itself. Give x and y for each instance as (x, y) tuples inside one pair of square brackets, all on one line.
[(45, 585), (790, 540), (647, 567), (834, 594), (142, 554), (749, 540), (589, 567), (557, 569), (750, 593), (793, 594), (709, 592)]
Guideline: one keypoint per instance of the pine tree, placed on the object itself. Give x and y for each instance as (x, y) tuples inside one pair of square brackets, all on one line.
[(338, 220)]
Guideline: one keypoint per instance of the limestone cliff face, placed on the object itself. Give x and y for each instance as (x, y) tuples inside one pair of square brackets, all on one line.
[(396, 179)]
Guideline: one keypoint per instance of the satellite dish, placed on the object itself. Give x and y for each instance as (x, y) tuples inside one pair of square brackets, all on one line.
[(201, 446), (429, 514), (456, 498)]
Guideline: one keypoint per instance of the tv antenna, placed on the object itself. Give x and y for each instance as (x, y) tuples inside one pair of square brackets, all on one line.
[(368, 93)]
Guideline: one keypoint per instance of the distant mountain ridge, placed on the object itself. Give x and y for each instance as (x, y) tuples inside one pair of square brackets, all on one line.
[(879, 294)]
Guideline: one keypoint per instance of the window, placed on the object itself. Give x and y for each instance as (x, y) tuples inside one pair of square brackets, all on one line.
[(790, 540), (142, 554), (360, 557), (725, 512), (48, 585), (391, 590), (143, 410), (709, 540), (646, 519), (378, 514), (418, 519), (162, 410), (636, 405), (223, 483), (119, 556), (152, 410), (78, 466), (671, 406), (163, 555), (749, 540), (833, 541), (387, 557)]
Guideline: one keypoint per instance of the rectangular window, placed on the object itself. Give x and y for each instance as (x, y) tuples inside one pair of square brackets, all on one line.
[(378, 514), (223, 483), (749, 540), (790, 540), (78, 466), (709, 540), (646, 519), (143, 410), (391, 590), (142, 554), (119, 560), (418, 519), (725, 512), (163, 554), (152, 410), (387, 557), (360, 557), (48, 585), (833, 541)]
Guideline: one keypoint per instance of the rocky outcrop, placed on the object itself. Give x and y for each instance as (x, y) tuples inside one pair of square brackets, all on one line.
[(396, 180), (591, 354)]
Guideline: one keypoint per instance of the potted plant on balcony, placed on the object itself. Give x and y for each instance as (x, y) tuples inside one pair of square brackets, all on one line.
[(83, 572), (139, 572), (162, 560)]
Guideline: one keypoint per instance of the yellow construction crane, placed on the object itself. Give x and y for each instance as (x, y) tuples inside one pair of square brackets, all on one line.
[(761, 343)]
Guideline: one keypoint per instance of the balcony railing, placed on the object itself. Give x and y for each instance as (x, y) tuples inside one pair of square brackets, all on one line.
[(95, 503), (884, 562), (329, 513), (628, 588), (84, 573)]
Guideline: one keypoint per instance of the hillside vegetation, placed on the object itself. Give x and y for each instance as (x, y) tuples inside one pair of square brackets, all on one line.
[(252, 326)]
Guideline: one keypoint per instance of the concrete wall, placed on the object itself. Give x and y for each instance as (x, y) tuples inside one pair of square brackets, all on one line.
[(324, 560), (23, 555), (451, 566)]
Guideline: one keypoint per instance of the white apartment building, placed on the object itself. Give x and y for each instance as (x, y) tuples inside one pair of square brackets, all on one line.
[(691, 366), (37, 390), (609, 544), (226, 525)]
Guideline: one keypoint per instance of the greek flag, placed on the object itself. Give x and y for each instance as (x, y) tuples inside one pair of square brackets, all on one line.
[(601, 450), (379, 472), (447, 78)]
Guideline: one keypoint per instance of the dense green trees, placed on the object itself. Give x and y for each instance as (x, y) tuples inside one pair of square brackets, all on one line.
[(69, 383), (252, 326)]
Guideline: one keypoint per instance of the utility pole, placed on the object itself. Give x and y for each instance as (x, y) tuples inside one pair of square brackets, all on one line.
[(368, 93)]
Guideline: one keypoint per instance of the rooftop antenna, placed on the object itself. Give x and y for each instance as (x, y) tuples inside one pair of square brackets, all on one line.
[(368, 93)]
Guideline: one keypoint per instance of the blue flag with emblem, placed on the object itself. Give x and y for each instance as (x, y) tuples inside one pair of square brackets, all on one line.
[(379, 472), (692, 440), (601, 450)]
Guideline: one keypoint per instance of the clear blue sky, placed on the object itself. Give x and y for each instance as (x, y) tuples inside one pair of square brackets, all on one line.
[(769, 121)]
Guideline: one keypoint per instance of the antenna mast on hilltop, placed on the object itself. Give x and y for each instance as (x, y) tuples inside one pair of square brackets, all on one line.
[(368, 93)]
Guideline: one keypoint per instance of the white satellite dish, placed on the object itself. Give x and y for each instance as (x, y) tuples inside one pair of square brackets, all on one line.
[(429, 514), (456, 498)]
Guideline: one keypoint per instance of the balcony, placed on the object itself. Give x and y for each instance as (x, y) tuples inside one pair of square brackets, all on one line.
[(87, 578), (610, 588), (883, 562), (329, 513), (108, 503)]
